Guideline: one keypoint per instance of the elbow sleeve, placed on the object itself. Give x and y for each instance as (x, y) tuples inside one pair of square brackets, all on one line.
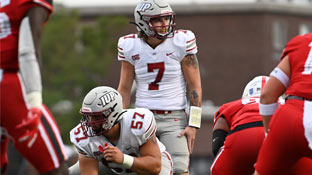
[(218, 138)]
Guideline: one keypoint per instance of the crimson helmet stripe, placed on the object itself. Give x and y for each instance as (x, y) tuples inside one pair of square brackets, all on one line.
[(263, 81)]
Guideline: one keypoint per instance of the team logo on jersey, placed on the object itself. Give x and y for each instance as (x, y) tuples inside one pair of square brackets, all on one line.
[(107, 98), (135, 57), (144, 6)]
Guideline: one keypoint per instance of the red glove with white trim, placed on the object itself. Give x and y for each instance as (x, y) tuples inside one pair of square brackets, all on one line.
[(31, 126)]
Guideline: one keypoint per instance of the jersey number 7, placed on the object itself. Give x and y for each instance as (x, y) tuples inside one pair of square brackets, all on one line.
[(161, 68)]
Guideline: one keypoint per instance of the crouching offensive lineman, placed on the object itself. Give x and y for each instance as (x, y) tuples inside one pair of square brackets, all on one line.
[(123, 141)]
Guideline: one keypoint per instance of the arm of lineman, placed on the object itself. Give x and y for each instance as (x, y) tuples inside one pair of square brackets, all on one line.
[(148, 163), (272, 90), (190, 68), (88, 165), (125, 82), (219, 133)]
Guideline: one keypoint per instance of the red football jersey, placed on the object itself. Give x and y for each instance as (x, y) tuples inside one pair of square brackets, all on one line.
[(240, 112), (10, 20), (299, 51)]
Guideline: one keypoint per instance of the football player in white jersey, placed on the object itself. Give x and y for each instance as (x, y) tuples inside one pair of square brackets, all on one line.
[(123, 141), (162, 61)]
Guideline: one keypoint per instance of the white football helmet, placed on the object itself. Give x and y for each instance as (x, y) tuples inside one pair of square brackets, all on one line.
[(101, 110), (148, 9), (254, 87)]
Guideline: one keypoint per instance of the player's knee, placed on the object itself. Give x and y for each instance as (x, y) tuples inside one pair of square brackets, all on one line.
[(180, 167)]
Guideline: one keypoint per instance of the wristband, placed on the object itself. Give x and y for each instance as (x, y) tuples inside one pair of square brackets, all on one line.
[(127, 161), (267, 109), (35, 99), (195, 116)]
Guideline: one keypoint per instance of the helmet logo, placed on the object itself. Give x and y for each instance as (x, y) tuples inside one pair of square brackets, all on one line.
[(144, 6), (251, 91), (107, 98)]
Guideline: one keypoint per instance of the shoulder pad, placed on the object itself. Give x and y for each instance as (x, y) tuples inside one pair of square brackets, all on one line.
[(227, 110), (186, 39), (44, 3), (126, 43), (78, 138), (143, 124)]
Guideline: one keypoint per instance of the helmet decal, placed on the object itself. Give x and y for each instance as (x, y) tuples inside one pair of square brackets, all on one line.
[(251, 91), (107, 98), (144, 6)]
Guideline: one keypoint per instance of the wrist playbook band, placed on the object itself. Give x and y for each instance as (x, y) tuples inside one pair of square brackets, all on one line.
[(195, 116), (281, 76), (128, 161), (267, 109)]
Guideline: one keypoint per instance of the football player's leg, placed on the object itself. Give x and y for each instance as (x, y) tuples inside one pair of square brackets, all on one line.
[(303, 167), (169, 127), (74, 169), (4, 156), (304, 141), (166, 164), (279, 152), (48, 147), (239, 152), (105, 170)]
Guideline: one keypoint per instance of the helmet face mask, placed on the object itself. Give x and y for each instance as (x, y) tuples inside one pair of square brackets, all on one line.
[(92, 128), (151, 9), (101, 110)]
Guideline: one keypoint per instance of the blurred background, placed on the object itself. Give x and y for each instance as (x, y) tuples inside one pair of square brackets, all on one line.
[(237, 40)]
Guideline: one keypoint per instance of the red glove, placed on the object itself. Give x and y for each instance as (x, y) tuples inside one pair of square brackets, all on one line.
[(101, 148), (31, 126)]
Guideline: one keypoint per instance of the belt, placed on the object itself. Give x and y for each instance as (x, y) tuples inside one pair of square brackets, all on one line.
[(298, 98), (245, 126), (161, 112)]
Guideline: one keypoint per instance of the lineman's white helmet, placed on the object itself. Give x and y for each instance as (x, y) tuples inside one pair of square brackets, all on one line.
[(101, 110), (148, 9), (254, 87)]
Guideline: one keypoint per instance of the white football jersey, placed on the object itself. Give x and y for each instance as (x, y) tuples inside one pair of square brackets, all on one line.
[(158, 72), (137, 125)]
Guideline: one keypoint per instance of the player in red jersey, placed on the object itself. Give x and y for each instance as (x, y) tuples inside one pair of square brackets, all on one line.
[(290, 131), (238, 125), (24, 120)]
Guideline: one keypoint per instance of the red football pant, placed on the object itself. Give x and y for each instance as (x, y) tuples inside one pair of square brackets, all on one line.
[(239, 153), (287, 140), (48, 151)]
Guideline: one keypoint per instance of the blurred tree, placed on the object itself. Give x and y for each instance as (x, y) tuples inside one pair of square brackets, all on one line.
[(75, 59)]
